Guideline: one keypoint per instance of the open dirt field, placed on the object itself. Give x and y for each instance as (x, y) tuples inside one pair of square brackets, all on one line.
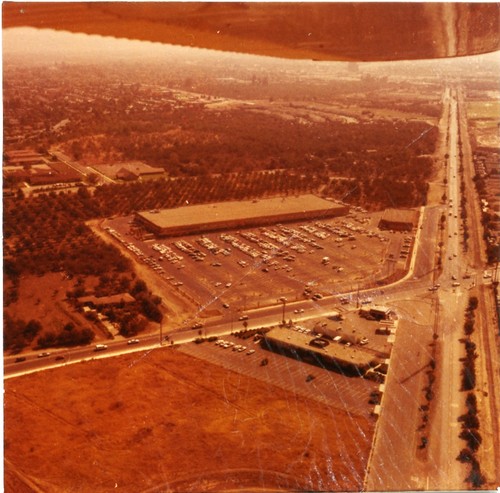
[(164, 421), (44, 299)]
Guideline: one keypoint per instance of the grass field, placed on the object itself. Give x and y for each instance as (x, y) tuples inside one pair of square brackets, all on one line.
[(483, 109), (165, 419)]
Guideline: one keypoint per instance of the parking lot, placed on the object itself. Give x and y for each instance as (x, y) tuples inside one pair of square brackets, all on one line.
[(312, 382), (254, 267)]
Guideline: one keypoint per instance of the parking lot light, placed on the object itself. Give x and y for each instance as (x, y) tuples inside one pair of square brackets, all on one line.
[(283, 300)]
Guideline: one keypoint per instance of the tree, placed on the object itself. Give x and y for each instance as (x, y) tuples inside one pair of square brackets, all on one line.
[(139, 287), (32, 329)]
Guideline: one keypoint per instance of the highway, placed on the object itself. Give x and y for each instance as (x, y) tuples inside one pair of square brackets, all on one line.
[(434, 466)]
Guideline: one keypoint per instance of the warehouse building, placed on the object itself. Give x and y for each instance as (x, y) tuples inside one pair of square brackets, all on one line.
[(345, 359), (233, 215), (399, 219)]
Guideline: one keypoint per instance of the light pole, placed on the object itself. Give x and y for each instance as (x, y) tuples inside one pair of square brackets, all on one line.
[(283, 300)]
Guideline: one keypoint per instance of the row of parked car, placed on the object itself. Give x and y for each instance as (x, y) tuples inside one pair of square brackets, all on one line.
[(235, 347)]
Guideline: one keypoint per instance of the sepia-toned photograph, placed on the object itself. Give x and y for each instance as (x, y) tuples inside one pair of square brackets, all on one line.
[(250, 247)]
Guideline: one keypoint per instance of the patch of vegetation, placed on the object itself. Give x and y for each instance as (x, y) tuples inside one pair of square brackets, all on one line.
[(69, 336), (470, 420), (17, 334)]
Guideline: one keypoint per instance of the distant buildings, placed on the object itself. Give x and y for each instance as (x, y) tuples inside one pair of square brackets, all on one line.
[(229, 215), (130, 171), (32, 167)]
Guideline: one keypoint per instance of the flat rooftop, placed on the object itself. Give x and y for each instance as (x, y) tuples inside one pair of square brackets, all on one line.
[(193, 215), (349, 354), (409, 216)]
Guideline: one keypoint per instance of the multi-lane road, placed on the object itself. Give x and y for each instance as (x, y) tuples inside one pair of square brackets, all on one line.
[(433, 466)]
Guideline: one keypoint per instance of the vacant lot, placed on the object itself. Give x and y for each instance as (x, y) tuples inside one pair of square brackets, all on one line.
[(483, 109), (163, 419)]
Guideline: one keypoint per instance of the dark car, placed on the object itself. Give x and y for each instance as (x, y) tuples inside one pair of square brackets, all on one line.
[(59, 358), (19, 359)]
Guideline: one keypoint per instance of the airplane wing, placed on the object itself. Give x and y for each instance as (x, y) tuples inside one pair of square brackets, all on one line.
[(304, 30)]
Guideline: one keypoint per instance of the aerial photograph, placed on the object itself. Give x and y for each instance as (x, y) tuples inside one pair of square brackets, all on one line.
[(250, 247)]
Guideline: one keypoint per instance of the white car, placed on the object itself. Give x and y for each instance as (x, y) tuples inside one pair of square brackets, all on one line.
[(133, 341)]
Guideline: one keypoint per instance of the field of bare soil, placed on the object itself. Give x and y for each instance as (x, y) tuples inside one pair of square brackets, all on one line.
[(44, 298), (163, 421)]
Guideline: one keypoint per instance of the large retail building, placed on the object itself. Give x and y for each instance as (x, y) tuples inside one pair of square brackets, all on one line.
[(193, 219)]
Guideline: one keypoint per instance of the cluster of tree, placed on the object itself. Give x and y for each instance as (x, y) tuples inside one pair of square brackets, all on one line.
[(463, 198), (470, 434), (379, 193), (193, 141), (68, 336), (131, 318), (148, 302), (48, 234), (490, 224), (126, 198), (113, 283), (469, 367), (17, 334), (429, 395)]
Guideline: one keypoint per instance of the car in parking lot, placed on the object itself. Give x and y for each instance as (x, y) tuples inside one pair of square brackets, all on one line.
[(250, 352)]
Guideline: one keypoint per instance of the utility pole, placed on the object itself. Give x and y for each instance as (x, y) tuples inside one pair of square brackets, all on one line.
[(283, 300)]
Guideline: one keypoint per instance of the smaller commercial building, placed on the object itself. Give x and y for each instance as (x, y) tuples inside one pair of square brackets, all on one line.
[(399, 219), (376, 312), (23, 157), (345, 359), (103, 301), (130, 171)]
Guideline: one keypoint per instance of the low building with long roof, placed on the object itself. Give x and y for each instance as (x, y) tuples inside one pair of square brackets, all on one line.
[(345, 359), (203, 218), (399, 219)]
